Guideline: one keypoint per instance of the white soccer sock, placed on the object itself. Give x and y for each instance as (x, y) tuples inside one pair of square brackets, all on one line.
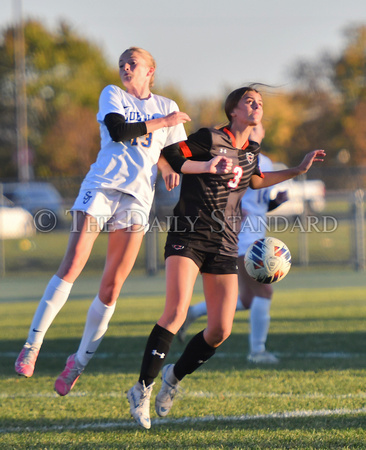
[(55, 296), (96, 326), (198, 310), (259, 324)]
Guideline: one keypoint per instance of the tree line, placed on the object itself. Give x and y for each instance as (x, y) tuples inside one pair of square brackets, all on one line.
[(65, 74)]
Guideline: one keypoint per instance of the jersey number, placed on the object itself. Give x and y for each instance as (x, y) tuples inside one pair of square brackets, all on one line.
[(145, 140), (238, 173)]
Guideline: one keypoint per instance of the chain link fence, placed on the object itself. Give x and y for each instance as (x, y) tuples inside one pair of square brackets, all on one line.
[(334, 236)]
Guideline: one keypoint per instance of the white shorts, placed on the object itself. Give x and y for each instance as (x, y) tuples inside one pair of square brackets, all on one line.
[(114, 210)]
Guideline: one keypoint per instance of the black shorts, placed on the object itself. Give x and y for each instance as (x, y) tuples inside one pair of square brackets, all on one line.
[(207, 262)]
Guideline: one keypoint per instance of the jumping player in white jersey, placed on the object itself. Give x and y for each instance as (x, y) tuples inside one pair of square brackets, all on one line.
[(252, 295), (116, 194)]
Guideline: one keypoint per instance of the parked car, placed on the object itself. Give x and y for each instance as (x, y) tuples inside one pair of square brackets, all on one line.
[(35, 196), (301, 193), (15, 222)]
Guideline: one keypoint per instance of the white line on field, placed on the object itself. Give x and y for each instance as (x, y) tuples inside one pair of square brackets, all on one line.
[(187, 420), (320, 355), (192, 394)]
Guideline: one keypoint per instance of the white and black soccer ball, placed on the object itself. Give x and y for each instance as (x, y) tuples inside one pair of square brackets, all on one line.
[(268, 260)]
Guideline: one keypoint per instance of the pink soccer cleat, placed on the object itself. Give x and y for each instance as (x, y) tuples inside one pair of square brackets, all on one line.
[(24, 365), (67, 379)]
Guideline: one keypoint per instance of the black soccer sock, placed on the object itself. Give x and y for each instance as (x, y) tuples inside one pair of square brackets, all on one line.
[(157, 347), (195, 354)]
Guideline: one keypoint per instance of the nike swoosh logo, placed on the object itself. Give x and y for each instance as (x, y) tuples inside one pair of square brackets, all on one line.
[(36, 331), (89, 353)]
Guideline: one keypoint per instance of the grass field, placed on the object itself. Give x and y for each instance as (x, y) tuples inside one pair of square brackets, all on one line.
[(314, 399)]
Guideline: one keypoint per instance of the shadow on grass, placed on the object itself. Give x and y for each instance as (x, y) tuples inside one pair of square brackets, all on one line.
[(303, 352)]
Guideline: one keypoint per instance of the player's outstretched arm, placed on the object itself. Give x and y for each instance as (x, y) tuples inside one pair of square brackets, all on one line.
[(271, 178), (218, 165), (120, 130), (172, 119)]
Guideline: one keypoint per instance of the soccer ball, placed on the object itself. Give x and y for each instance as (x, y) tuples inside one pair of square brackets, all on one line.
[(268, 260)]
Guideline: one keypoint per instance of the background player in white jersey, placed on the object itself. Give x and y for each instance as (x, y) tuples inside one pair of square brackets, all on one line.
[(252, 295), (116, 194)]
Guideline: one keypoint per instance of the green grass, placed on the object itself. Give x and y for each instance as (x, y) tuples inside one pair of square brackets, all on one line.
[(314, 399)]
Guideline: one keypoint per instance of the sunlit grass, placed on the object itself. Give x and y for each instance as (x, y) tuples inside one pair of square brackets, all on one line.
[(315, 397)]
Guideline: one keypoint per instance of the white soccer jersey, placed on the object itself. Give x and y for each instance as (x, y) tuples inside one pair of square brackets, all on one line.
[(130, 166), (254, 205)]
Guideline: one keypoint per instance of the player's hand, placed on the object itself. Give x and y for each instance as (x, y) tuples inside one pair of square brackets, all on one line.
[(219, 165), (170, 177), (176, 117), (171, 180), (281, 197), (307, 162)]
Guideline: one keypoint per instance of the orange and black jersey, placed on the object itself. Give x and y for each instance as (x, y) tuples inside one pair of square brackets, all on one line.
[(208, 213)]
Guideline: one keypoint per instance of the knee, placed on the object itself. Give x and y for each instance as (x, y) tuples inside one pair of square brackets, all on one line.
[(173, 319), (265, 291), (109, 293), (217, 336), (246, 300)]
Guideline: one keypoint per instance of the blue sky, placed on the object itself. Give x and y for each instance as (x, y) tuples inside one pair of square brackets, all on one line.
[(207, 46)]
